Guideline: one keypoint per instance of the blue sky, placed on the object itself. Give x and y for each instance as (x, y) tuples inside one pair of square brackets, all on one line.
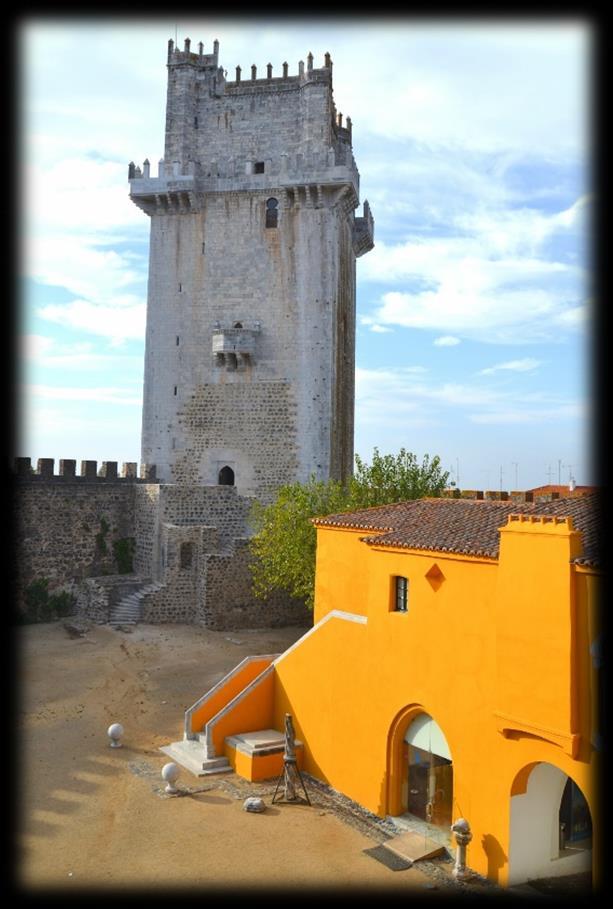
[(473, 309)]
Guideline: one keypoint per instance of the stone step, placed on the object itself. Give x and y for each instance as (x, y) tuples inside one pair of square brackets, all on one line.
[(189, 754), (128, 610), (413, 846)]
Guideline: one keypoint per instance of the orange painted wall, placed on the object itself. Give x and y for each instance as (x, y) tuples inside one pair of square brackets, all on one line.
[(259, 767), (331, 563), (456, 654), (247, 714), (225, 693)]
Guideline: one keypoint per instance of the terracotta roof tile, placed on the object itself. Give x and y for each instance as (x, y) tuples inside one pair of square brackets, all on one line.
[(467, 526)]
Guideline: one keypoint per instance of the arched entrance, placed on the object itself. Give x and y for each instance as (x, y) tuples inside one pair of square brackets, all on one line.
[(420, 770), (226, 476), (429, 772), (550, 825)]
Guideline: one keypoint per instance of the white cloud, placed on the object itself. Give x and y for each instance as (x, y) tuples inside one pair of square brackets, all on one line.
[(514, 75), (528, 364), (116, 323), (34, 347), (446, 341), (108, 395), (380, 329), (42, 351), (520, 414), (494, 284), (382, 395)]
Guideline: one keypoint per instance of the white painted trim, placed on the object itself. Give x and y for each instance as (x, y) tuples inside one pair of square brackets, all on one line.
[(208, 729), (218, 686), (334, 614)]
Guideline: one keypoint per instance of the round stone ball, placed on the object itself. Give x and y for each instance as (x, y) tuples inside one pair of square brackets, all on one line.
[(170, 772), (115, 731), (255, 804)]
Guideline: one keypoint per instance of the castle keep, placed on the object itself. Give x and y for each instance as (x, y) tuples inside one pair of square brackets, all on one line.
[(249, 359), (249, 363)]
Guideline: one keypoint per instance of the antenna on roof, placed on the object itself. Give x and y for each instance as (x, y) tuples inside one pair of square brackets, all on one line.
[(515, 465)]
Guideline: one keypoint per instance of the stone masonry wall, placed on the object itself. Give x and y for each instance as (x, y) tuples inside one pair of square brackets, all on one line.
[(230, 603), (97, 596), (240, 427), (60, 530), (193, 539), (146, 504)]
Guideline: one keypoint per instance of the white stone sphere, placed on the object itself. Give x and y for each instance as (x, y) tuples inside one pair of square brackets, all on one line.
[(115, 731), (170, 772)]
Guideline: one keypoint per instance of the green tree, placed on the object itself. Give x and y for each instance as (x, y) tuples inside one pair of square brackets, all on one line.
[(395, 478), (283, 548)]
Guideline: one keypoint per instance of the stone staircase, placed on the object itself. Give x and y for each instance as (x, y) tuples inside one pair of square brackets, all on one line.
[(128, 610), (192, 754)]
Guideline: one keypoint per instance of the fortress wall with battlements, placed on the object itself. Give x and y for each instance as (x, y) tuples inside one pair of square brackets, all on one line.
[(66, 523)]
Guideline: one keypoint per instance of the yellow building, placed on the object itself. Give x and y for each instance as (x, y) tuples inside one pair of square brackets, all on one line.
[(451, 671)]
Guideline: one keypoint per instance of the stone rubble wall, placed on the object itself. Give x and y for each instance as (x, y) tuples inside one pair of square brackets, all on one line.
[(96, 597), (192, 539), (59, 532), (230, 604)]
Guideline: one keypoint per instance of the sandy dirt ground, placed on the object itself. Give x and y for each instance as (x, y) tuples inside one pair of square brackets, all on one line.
[(91, 817)]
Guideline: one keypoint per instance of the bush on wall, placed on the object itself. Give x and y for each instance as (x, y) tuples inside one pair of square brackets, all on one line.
[(41, 606)]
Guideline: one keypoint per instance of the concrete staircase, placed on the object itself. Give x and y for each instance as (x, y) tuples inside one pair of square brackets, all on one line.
[(128, 610), (192, 754)]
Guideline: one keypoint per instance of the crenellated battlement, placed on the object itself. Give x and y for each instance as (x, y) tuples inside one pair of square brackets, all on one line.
[(177, 57), (495, 495), (310, 74), (89, 472)]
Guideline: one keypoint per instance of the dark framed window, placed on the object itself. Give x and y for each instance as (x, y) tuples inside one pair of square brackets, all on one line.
[(401, 601), (272, 212), (259, 167)]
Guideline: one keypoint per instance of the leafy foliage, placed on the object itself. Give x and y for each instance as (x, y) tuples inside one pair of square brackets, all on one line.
[(101, 544), (123, 551), (284, 544), (41, 606), (398, 478)]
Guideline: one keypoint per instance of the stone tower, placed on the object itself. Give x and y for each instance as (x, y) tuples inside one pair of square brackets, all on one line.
[(249, 361)]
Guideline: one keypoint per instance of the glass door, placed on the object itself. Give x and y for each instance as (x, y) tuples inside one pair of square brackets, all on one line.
[(430, 787)]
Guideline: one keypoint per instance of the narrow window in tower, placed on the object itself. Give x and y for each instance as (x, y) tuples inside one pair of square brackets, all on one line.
[(180, 287), (195, 122), (203, 247), (226, 476), (175, 389), (186, 554), (177, 341), (259, 167), (272, 206)]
